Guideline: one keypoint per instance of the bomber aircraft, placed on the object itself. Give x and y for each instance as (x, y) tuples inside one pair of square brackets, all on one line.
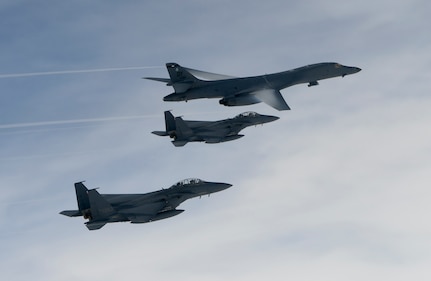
[(192, 84), (184, 131), (100, 209)]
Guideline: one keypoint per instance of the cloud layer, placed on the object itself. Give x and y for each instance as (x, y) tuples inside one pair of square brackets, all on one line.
[(336, 189)]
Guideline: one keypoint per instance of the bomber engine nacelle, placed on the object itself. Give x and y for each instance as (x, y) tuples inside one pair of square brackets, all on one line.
[(239, 100)]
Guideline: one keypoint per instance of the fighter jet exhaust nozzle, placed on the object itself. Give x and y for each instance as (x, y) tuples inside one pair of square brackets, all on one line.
[(223, 102), (313, 83)]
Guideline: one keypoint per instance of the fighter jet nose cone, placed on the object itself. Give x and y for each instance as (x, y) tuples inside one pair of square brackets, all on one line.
[(224, 186), (270, 118), (357, 69), (216, 187)]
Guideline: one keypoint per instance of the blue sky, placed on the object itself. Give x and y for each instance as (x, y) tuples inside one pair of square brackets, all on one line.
[(337, 189)]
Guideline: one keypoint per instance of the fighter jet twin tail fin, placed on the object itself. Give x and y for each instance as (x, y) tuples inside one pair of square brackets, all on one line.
[(92, 206), (169, 125), (176, 128)]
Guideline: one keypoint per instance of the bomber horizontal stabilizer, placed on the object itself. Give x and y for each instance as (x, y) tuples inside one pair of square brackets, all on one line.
[(164, 80), (71, 213), (160, 133)]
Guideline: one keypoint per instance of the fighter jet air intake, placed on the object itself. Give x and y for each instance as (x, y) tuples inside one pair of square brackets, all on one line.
[(184, 131), (192, 84), (101, 209)]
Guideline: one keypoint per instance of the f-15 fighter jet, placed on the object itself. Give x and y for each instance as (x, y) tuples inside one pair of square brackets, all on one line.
[(184, 131), (192, 84), (100, 209)]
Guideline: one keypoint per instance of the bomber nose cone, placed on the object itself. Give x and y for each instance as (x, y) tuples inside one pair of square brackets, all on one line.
[(351, 70)]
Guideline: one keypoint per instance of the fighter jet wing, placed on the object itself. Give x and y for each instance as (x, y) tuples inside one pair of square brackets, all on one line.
[(232, 127), (272, 98), (143, 213)]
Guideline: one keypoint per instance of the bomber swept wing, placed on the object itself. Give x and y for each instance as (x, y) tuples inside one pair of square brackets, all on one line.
[(192, 84), (101, 209), (207, 76), (184, 131)]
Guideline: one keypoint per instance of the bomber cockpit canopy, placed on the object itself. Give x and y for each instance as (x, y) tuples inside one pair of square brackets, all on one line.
[(247, 114), (190, 181)]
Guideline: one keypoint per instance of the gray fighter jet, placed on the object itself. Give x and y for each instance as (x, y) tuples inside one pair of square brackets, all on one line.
[(184, 131), (100, 209), (192, 84)]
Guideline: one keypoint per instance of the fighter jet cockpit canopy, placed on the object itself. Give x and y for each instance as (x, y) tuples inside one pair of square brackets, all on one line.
[(190, 181), (246, 114)]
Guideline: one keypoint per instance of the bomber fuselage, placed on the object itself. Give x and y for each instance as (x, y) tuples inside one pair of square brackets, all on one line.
[(237, 86)]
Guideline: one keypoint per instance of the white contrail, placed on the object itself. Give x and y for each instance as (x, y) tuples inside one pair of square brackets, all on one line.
[(91, 120), (16, 75), (75, 121)]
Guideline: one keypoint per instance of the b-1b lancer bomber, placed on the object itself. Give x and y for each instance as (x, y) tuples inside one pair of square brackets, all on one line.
[(192, 84), (184, 131), (101, 209)]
